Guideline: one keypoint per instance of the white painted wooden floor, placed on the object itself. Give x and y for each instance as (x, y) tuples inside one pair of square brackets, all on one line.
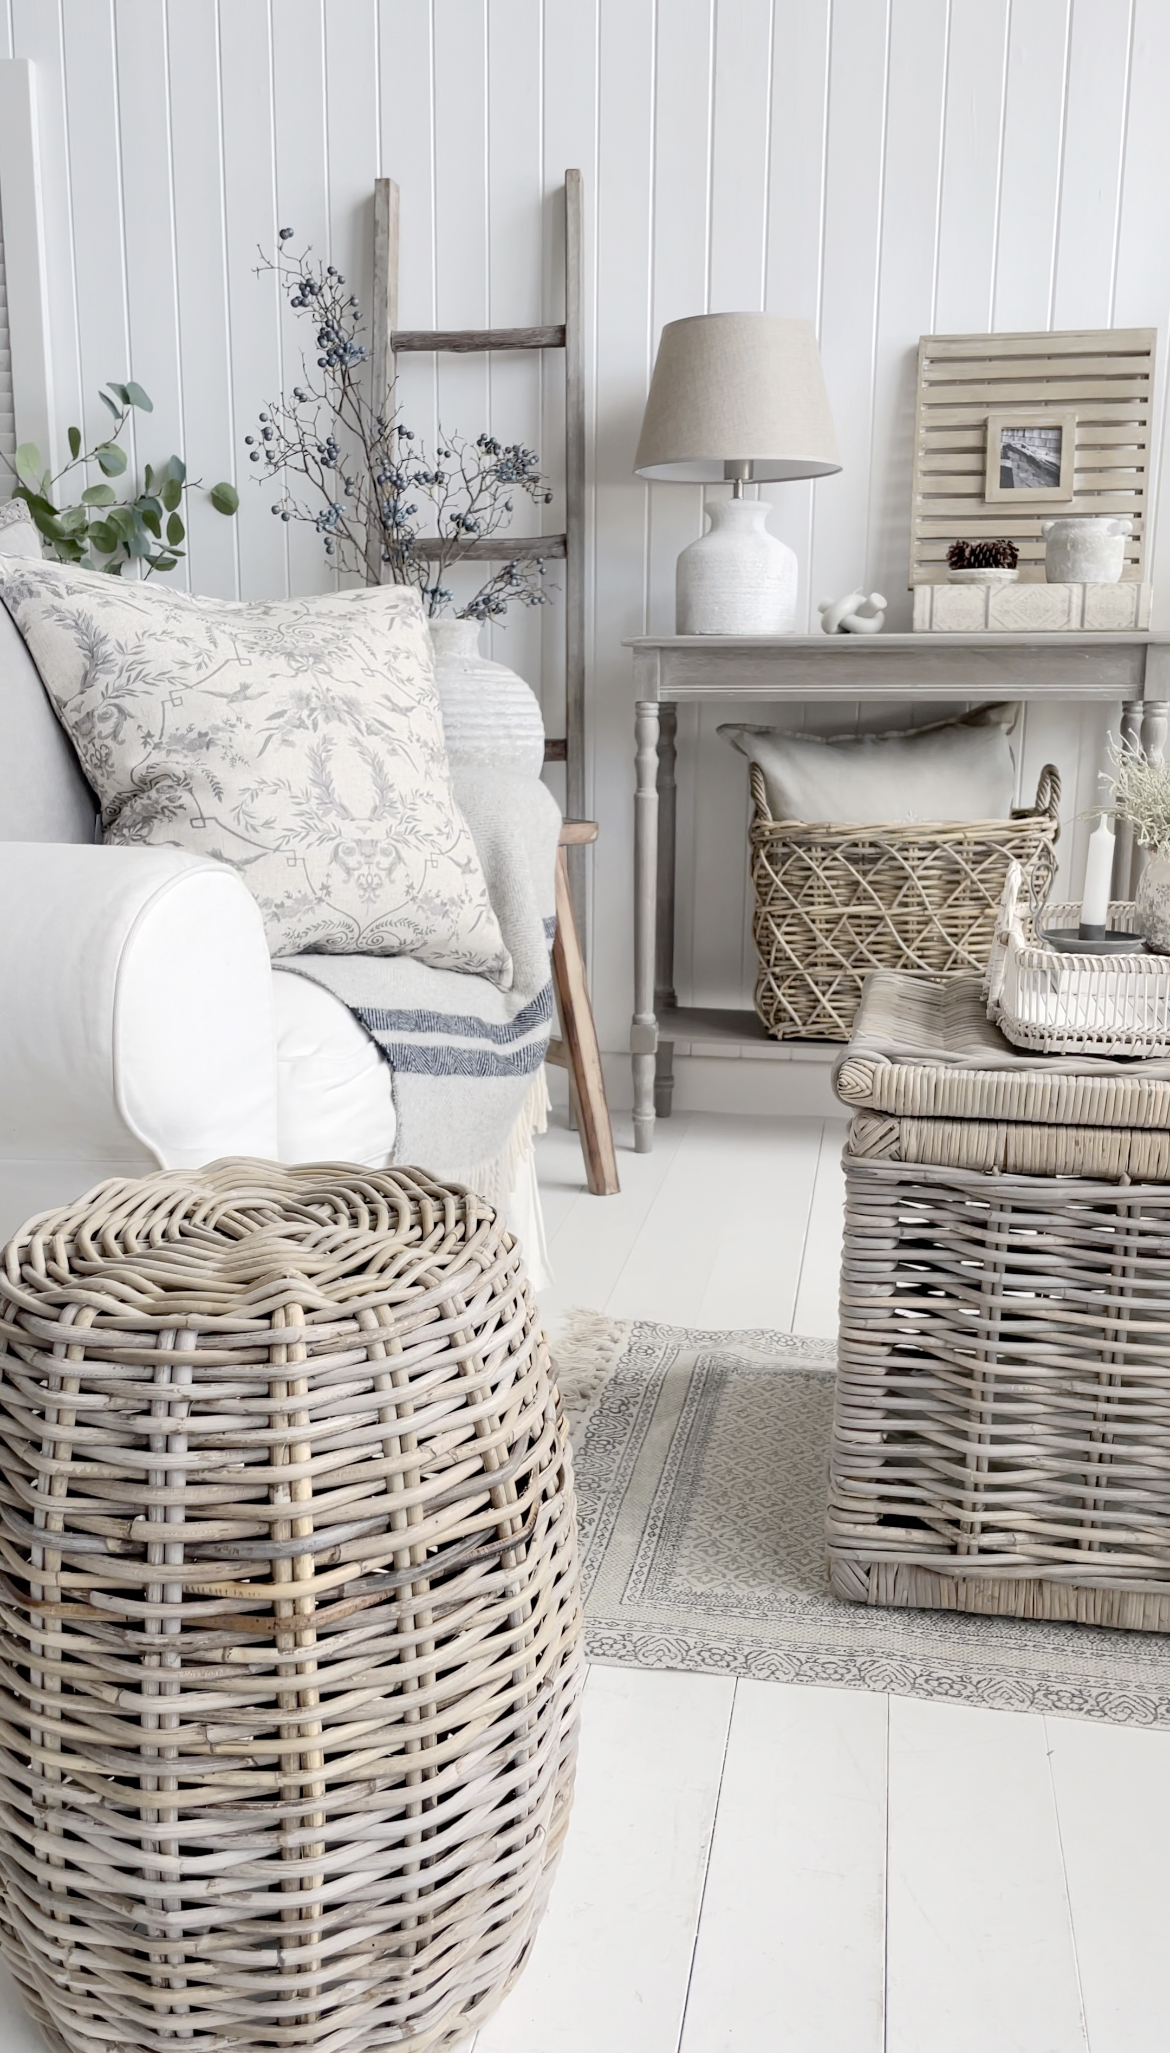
[(758, 1868)]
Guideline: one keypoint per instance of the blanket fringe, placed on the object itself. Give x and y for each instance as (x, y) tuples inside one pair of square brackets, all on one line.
[(585, 1352), (493, 1180)]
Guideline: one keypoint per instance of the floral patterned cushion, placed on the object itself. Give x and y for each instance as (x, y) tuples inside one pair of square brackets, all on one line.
[(299, 740)]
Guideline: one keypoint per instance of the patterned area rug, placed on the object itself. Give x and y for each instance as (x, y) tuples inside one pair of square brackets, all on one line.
[(700, 1467)]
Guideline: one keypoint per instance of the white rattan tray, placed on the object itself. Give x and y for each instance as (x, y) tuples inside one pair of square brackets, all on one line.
[(1060, 1004)]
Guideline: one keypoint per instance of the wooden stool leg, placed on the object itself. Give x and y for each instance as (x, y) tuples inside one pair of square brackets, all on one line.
[(582, 1054)]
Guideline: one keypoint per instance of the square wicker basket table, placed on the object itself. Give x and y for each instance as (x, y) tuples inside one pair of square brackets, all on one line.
[(1001, 1437)]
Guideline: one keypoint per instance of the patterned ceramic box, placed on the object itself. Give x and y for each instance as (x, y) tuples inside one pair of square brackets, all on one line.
[(1031, 608)]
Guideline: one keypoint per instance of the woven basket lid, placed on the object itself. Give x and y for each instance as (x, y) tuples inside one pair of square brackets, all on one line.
[(927, 1049)]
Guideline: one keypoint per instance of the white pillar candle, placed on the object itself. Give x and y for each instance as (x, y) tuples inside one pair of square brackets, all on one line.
[(1098, 878)]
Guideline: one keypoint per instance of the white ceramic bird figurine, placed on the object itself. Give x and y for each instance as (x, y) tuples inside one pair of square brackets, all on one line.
[(857, 613)]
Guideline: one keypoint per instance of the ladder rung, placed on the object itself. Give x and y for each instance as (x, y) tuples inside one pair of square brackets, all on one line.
[(478, 338), (495, 549)]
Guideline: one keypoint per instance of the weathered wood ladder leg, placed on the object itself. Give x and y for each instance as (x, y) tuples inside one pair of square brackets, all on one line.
[(577, 1050)]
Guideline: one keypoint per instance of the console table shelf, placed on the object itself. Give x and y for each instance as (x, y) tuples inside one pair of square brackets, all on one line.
[(669, 670)]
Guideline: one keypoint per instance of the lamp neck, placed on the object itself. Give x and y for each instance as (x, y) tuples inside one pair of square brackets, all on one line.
[(739, 470)]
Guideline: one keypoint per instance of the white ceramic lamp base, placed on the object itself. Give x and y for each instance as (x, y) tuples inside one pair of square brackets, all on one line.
[(737, 578)]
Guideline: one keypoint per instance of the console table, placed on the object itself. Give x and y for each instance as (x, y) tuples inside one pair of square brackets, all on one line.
[(670, 669)]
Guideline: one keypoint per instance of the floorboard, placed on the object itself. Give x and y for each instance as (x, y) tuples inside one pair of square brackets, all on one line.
[(611, 1964), (752, 1186), (590, 1246), (979, 1934), (758, 1246), (1113, 1800), (790, 1954), (820, 1271)]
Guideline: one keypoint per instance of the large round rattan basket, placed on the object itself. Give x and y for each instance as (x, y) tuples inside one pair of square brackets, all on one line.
[(289, 1616)]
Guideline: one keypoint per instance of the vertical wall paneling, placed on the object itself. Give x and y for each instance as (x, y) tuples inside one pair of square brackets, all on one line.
[(515, 297), (1098, 91), (849, 285), (910, 198), (249, 169), (26, 377), (210, 441), (1033, 137), (625, 162), (881, 167), (92, 115), (147, 159), (406, 109), (679, 281), (37, 38), (799, 111), (7, 408), (1142, 277), (461, 212), (972, 157), (299, 78), (737, 278), (570, 136)]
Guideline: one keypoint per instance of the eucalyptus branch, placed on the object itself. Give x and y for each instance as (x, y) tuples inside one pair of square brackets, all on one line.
[(102, 532)]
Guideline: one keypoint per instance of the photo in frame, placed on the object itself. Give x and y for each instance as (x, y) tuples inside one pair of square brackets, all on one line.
[(1030, 458)]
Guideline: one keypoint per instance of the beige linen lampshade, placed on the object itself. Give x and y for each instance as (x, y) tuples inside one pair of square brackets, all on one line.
[(736, 388), (740, 397)]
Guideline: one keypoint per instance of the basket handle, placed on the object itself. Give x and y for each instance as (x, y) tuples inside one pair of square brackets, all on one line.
[(759, 792), (1048, 791)]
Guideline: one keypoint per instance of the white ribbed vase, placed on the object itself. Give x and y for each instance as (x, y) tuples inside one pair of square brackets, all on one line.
[(489, 714)]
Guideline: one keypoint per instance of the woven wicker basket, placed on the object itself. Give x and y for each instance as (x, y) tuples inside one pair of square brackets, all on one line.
[(832, 903), (1001, 1438), (289, 1615)]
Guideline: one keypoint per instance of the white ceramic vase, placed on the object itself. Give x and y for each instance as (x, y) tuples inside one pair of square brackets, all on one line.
[(737, 578), (1152, 903), (1085, 548), (489, 714)]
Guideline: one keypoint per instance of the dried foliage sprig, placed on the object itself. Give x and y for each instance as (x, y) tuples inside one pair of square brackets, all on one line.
[(370, 478), (1141, 794)]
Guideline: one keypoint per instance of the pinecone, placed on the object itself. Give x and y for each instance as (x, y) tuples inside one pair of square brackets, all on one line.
[(999, 555)]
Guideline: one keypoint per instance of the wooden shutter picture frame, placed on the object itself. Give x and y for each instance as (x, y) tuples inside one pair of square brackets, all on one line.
[(1102, 380)]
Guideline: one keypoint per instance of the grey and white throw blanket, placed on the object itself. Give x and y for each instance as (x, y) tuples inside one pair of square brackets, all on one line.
[(468, 1058)]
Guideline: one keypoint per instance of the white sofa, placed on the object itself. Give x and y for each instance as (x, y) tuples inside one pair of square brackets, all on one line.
[(142, 1023)]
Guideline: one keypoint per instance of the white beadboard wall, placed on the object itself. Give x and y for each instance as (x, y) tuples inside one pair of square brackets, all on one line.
[(884, 167)]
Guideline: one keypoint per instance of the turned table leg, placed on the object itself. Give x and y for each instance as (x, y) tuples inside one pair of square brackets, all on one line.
[(1124, 877), (1155, 714), (644, 1029), (664, 992)]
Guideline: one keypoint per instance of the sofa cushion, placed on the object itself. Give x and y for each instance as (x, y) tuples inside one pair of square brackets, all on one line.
[(299, 740)]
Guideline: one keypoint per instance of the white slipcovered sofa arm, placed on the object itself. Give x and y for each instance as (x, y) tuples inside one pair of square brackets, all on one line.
[(136, 1022)]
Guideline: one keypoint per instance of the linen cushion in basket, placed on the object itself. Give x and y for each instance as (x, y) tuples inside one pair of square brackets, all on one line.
[(954, 770), (299, 740)]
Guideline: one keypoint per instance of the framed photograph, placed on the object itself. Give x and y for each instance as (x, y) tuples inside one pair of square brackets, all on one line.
[(1030, 458)]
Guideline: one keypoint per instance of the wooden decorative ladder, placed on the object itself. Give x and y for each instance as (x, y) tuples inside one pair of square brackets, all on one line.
[(577, 1050)]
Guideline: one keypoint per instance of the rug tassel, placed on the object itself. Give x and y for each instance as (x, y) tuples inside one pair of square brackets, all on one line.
[(585, 1352)]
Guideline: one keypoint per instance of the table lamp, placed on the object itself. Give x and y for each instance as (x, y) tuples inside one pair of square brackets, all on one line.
[(737, 397)]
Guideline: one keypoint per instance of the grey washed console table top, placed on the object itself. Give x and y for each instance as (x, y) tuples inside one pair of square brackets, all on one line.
[(1132, 669)]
